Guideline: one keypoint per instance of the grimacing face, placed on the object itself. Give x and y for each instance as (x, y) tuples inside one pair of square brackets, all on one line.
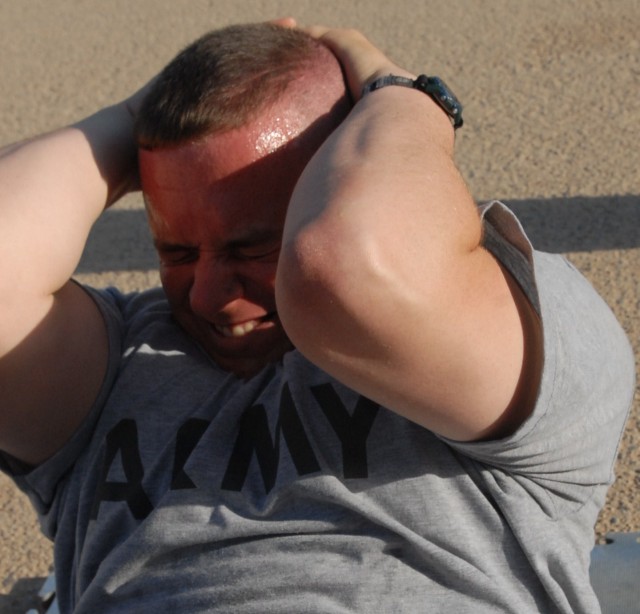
[(217, 208)]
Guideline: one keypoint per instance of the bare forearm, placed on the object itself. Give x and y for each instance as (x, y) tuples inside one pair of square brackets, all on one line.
[(382, 279), (52, 189), (382, 205), (387, 174)]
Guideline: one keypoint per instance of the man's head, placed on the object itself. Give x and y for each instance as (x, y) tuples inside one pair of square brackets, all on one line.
[(224, 135), (227, 77)]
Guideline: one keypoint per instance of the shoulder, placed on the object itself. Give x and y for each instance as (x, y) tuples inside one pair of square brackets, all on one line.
[(588, 372)]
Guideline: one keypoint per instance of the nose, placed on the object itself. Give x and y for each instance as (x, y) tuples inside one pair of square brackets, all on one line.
[(215, 285)]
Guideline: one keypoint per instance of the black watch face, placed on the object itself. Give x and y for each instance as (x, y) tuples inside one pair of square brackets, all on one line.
[(440, 92)]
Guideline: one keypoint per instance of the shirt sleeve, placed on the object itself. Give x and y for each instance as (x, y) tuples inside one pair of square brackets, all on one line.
[(568, 444), (42, 483)]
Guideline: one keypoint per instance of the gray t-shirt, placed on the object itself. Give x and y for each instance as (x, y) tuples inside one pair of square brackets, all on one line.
[(189, 490)]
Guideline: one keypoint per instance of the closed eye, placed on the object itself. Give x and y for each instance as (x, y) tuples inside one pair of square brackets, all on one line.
[(177, 254), (267, 253)]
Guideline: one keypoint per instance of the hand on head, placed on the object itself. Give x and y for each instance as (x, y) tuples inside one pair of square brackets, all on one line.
[(360, 59)]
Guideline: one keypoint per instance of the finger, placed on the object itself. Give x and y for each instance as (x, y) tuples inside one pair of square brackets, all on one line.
[(284, 22), (362, 61), (315, 31)]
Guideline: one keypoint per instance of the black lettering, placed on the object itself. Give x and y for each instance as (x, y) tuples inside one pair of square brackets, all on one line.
[(352, 430), (254, 437), (187, 439), (294, 434), (123, 438)]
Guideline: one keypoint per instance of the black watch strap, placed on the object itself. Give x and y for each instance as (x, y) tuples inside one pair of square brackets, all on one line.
[(434, 87)]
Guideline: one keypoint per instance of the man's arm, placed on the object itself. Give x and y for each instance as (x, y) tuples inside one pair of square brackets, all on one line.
[(53, 345), (383, 281)]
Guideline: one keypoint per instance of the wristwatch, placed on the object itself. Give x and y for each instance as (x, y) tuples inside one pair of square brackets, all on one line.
[(434, 87)]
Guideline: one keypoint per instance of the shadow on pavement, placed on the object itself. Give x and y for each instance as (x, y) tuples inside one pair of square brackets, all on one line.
[(581, 223), (121, 241)]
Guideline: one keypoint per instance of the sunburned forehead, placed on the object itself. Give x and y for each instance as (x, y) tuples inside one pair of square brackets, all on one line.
[(258, 163), (218, 155)]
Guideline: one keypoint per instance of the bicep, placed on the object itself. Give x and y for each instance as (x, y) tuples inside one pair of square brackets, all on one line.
[(473, 370), (486, 356), (51, 371), (460, 357)]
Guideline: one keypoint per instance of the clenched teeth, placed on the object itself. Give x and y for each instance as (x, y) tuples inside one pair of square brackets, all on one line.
[(237, 330)]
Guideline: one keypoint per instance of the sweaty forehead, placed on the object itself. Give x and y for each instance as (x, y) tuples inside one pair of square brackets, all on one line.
[(224, 152), (270, 133)]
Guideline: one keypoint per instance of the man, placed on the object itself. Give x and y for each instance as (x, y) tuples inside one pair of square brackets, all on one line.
[(355, 392)]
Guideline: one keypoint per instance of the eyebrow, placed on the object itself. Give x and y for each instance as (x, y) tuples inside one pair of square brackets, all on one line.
[(250, 239), (264, 235), (171, 247)]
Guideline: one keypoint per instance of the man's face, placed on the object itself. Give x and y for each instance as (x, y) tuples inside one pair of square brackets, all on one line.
[(217, 209)]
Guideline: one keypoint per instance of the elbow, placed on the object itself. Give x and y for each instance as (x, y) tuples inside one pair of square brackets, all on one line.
[(332, 292), (312, 285), (305, 287)]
